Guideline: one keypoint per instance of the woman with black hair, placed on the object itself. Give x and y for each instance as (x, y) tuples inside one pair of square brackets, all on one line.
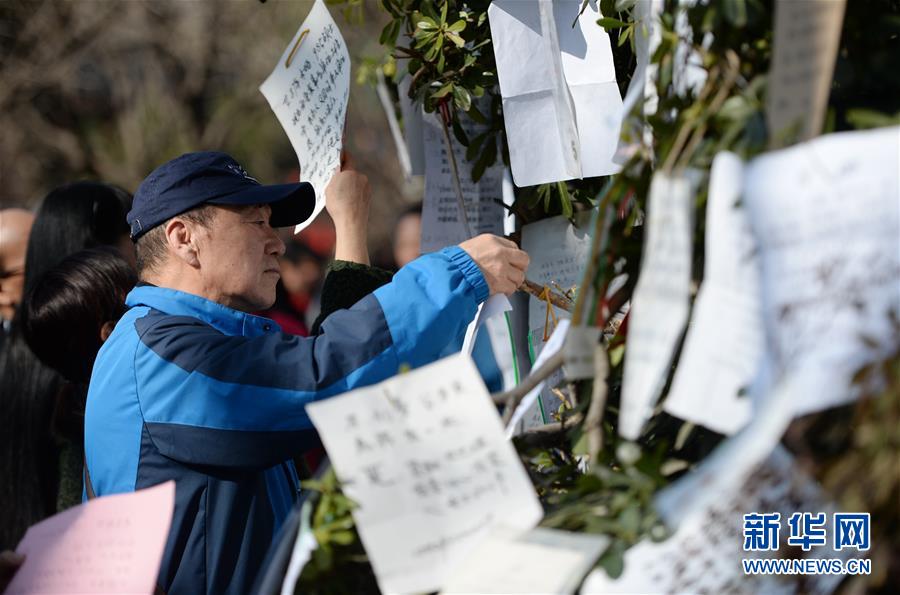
[(35, 401), (73, 307)]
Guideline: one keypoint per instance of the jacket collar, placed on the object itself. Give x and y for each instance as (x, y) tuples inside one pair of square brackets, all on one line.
[(178, 303)]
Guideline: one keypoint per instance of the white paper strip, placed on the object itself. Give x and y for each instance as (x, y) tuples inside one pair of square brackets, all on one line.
[(659, 309), (725, 338)]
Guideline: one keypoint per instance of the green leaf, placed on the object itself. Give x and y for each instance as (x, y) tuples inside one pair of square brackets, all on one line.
[(443, 91), (611, 23), (475, 146), (444, 11), (427, 24), (607, 7), (462, 99), (564, 199), (476, 115), (487, 158), (457, 26), (459, 41), (458, 131), (613, 559), (735, 12), (343, 537)]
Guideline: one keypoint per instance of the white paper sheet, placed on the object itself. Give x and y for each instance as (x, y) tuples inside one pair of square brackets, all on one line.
[(805, 45), (659, 308), (442, 223), (725, 338), (561, 102), (308, 91), (509, 562), (826, 215), (578, 352), (495, 305), (423, 454), (527, 413), (704, 554), (559, 252)]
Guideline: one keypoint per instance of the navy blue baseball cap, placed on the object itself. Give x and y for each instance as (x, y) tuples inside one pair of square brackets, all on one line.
[(213, 178)]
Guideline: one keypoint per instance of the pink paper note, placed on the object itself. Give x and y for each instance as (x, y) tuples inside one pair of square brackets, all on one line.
[(112, 544)]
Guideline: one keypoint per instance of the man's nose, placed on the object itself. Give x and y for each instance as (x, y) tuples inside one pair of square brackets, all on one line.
[(276, 245)]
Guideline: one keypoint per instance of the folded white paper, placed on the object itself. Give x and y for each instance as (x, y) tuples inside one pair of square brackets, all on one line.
[(561, 103)]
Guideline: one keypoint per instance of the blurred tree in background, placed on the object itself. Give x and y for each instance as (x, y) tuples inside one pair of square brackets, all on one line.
[(110, 90)]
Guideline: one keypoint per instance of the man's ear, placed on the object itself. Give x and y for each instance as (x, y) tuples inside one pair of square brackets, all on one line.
[(182, 241), (106, 330)]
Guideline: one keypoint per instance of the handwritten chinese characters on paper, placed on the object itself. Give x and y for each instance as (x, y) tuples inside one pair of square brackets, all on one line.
[(424, 456), (308, 91)]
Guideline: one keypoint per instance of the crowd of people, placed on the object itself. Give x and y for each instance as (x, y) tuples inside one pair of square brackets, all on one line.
[(173, 334)]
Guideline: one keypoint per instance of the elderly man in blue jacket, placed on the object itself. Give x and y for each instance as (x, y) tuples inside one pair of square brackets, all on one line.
[(192, 387)]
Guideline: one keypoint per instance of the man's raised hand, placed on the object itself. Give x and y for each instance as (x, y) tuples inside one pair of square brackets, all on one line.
[(500, 260)]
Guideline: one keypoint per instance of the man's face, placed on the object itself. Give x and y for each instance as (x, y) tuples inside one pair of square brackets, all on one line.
[(238, 253), (15, 226)]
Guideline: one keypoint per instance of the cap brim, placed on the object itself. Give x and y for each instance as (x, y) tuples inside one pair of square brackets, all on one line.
[(291, 204)]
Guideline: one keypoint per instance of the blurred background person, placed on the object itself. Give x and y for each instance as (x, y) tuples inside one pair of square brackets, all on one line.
[(34, 450), (15, 225)]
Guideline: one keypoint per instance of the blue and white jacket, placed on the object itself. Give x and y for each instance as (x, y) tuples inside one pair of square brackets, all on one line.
[(190, 390)]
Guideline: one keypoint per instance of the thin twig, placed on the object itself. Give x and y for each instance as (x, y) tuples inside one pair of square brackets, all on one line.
[(716, 104), (456, 184), (513, 396), (601, 232), (547, 434), (593, 423), (557, 299), (685, 129)]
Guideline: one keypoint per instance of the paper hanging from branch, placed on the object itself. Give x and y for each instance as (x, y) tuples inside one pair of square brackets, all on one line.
[(807, 37), (442, 223), (826, 218), (725, 338), (558, 251), (308, 91), (659, 309), (424, 456), (561, 103)]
